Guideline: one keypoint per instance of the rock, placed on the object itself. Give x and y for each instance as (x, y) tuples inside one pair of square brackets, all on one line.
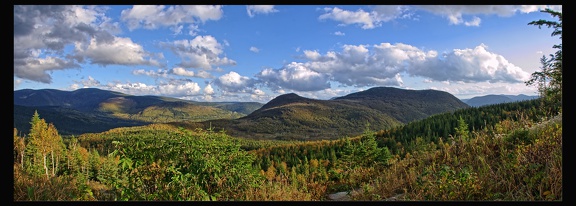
[(395, 197), (340, 196)]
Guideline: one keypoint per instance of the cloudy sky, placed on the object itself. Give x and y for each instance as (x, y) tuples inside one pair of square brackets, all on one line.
[(255, 53)]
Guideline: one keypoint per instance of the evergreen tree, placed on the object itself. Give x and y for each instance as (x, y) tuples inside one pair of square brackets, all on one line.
[(462, 129), (549, 80)]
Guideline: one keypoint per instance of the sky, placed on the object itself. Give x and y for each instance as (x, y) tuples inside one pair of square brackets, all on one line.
[(253, 53)]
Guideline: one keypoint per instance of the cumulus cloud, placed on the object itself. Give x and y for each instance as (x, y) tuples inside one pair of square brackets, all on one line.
[(179, 89), (173, 88), (174, 17), (470, 65), (184, 72), (208, 90), (368, 19), (120, 51), (294, 76), (374, 16), (42, 32), (151, 73), (234, 82), (455, 13), (384, 64), (252, 10), (254, 49), (201, 52), (90, 82), (36, 68), (203, 74)]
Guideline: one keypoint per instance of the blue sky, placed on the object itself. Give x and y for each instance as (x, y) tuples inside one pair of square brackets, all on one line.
[(255, 53)]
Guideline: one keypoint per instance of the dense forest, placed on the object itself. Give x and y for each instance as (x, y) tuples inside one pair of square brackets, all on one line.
[(163, 162), (509, 151)]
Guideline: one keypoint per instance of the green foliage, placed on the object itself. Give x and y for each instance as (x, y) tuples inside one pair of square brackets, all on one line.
[(462, 129), (183, 166), (446, 124), (549, 79)]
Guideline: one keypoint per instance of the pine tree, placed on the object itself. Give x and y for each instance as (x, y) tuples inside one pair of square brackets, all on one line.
[(549, 80), (462, 129)]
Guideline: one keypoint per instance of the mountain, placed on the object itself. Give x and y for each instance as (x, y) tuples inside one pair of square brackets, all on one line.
[(496, 99), (291, 116), (107, 109), (69, 121), (405, 105)]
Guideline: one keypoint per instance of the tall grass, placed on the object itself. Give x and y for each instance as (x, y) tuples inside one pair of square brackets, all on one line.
[(518, 161)]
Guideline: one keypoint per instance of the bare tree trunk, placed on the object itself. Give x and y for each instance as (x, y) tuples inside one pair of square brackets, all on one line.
[(22, 159), (57, 161), (53, 164), (45, 166)]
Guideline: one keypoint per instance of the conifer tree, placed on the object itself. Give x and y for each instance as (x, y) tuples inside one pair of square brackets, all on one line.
[(549, 80)]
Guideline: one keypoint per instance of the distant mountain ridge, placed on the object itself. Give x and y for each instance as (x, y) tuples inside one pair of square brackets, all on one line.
[(115, 107), (290, 116), (496, 99)]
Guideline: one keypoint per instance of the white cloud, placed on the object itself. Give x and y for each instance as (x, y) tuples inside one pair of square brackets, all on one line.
[(90, 82), (339, 33), (254, 49), (36, 69), (182, 72), (379, 65), (156, 16), (42, 32), (203, 74), (173, 88), (475, 22), (234, 82), (208, 90), (454, 13), (179, 89), (120, 51), (201, 52), (469, 65), (374, 16), (368, 19), (252, 10), (384, 65), (294, 76), (179, 71)]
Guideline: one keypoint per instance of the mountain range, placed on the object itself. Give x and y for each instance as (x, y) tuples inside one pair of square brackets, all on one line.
[(292, 117), (496, 99), (96, 110), (288, 116)]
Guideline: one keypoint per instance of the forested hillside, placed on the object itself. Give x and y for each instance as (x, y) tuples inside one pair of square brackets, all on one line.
[(95, 110), (166, 162), (292, 117)]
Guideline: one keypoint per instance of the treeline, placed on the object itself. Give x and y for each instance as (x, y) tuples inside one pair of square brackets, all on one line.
[(399, 139), (165, 162)]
